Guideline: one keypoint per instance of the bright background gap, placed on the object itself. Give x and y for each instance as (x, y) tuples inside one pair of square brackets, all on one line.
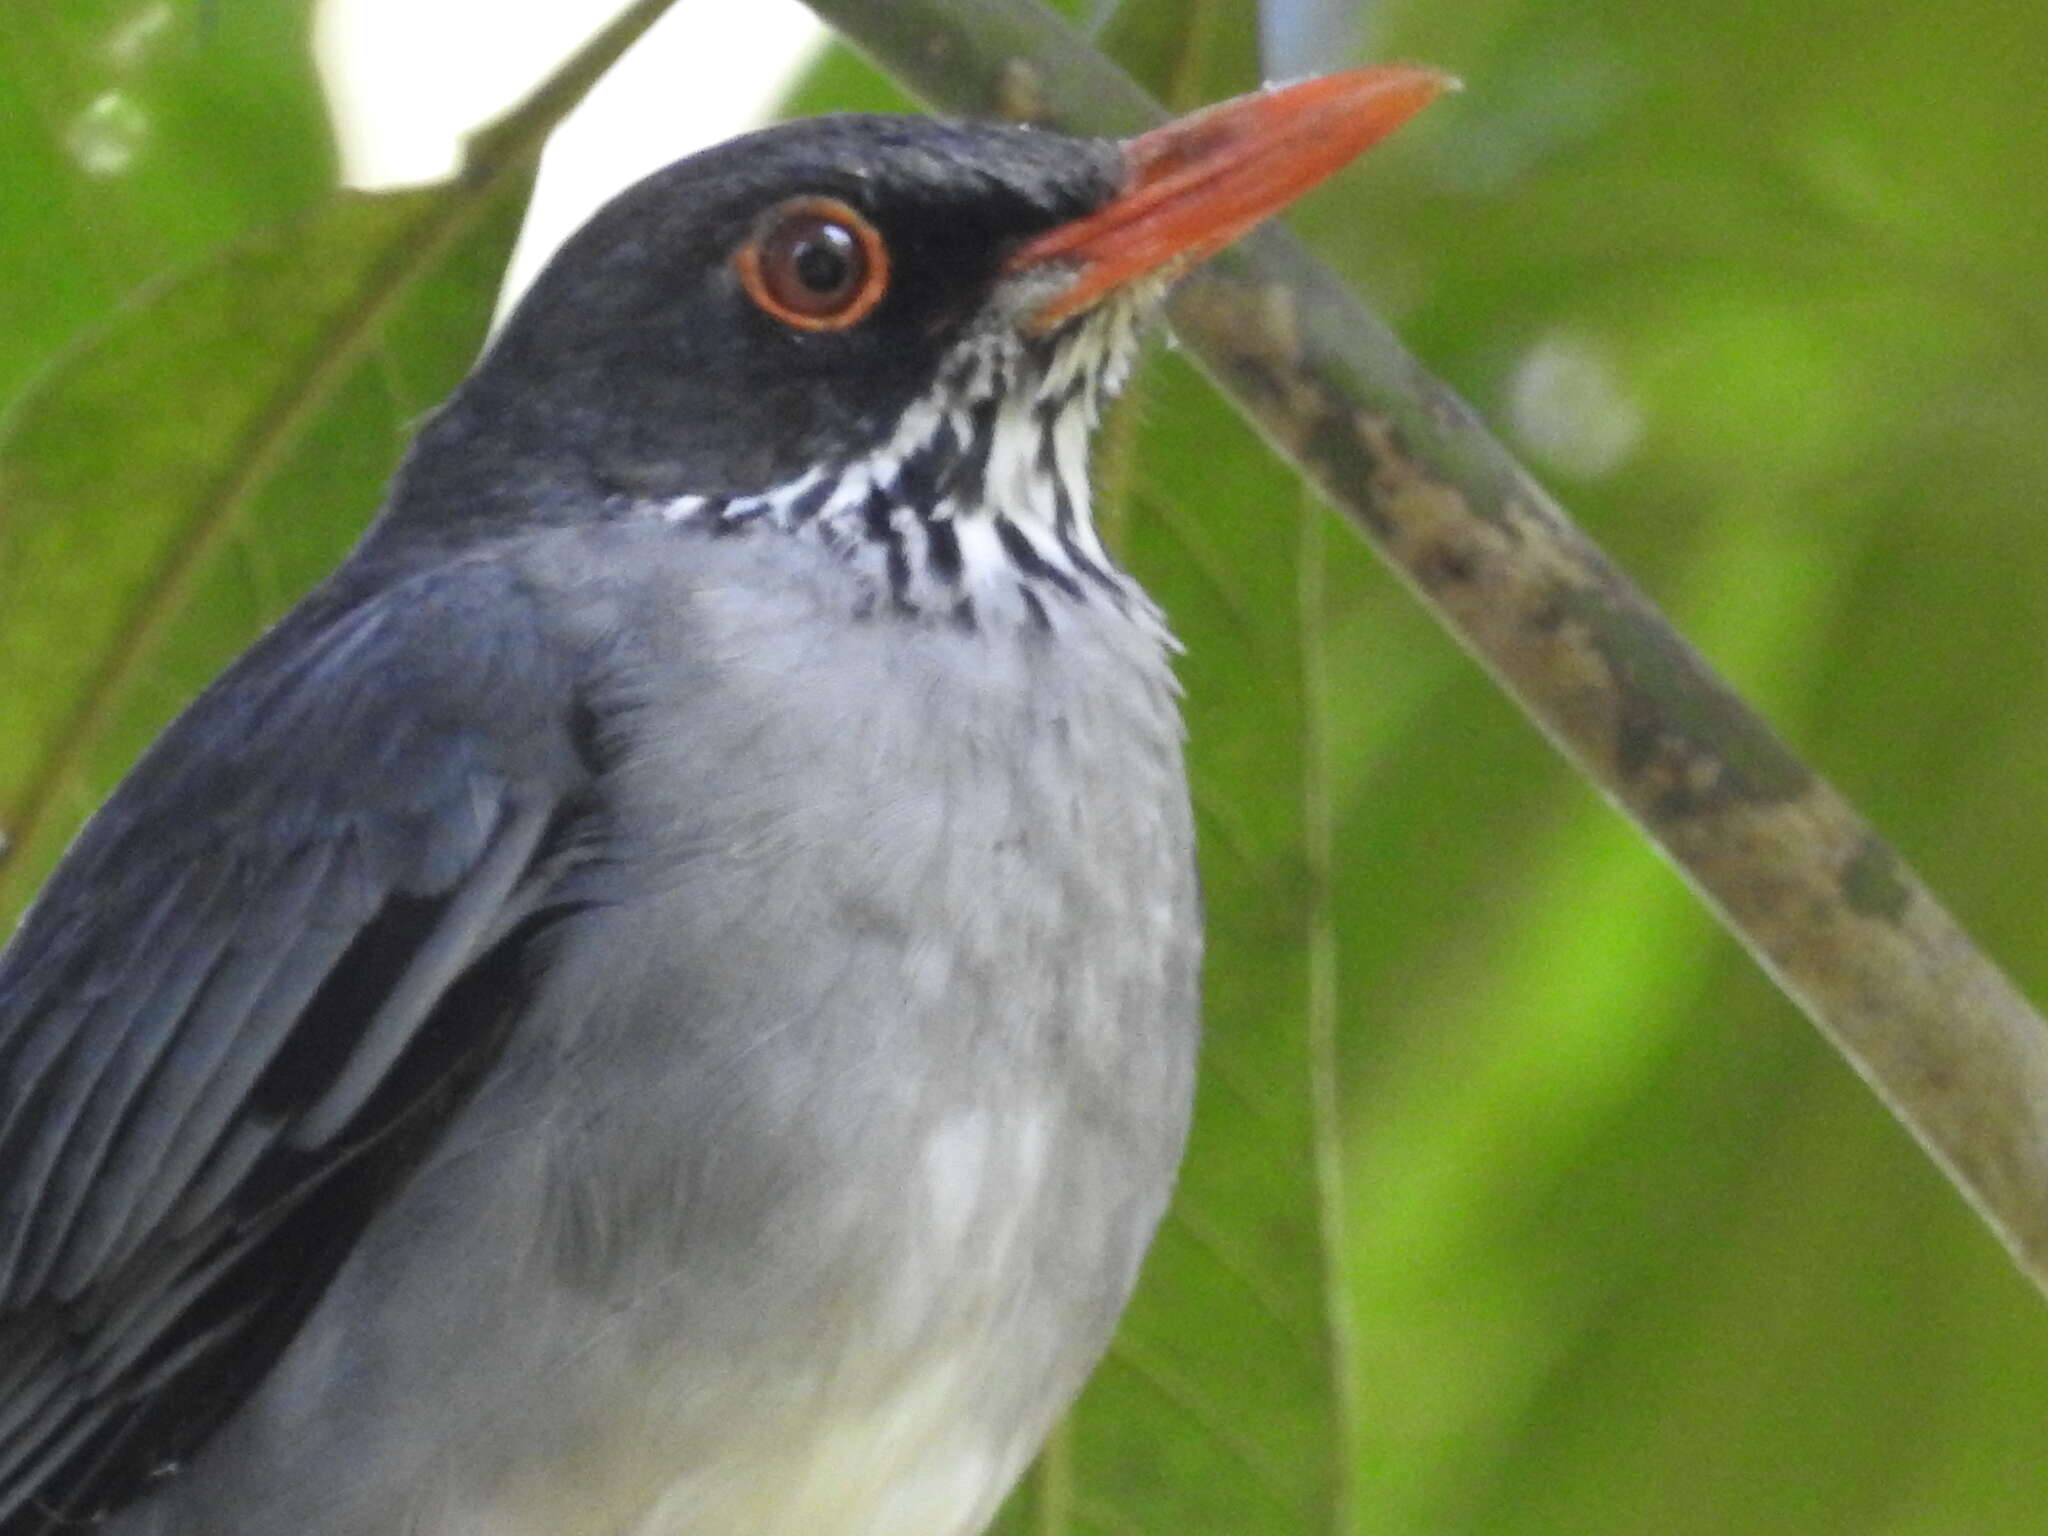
[(407, 79)]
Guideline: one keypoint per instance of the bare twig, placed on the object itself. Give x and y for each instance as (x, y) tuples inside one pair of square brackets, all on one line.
[(1828, 908)]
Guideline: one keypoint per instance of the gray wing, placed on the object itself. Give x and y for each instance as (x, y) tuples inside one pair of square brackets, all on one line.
[(260, 984)]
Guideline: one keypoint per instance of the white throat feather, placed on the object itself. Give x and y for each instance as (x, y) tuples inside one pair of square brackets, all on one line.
[(978, 509)]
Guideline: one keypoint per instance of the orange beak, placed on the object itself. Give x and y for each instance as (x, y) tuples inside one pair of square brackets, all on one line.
[(1199, 182)]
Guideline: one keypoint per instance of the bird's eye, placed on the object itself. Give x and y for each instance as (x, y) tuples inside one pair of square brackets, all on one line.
[(815, 264)]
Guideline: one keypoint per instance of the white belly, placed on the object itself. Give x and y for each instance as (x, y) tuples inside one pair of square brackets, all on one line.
[(913, 1466)]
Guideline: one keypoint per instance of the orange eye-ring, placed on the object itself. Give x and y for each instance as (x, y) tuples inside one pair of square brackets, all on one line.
[(815, 264)]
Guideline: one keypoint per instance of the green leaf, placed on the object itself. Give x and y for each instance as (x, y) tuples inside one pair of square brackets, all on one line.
[(136, 136), (259, 400), (208, 385)]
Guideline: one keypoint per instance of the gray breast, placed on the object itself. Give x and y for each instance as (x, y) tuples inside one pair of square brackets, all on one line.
[(820, 1176)]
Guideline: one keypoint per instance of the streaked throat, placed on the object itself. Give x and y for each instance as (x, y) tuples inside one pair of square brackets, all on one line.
[(978, 509)]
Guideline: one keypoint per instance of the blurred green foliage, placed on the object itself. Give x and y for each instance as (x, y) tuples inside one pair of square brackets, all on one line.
[(1520, 1202)]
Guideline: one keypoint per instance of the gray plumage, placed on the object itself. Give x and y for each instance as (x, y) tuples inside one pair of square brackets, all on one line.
[(661, 1001)]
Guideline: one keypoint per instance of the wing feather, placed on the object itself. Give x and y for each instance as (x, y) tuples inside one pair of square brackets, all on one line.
[(155, 1044), (260, 985), (480, 905), (79, 1044), (229, 1041)]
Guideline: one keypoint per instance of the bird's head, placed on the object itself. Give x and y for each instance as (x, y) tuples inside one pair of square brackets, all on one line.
[(895, 332)]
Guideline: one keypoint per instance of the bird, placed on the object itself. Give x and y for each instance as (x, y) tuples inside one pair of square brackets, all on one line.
[(662, 998)]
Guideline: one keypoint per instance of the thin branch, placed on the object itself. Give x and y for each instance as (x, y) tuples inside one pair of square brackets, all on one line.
[(1828, 908), (1326, 1112)]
